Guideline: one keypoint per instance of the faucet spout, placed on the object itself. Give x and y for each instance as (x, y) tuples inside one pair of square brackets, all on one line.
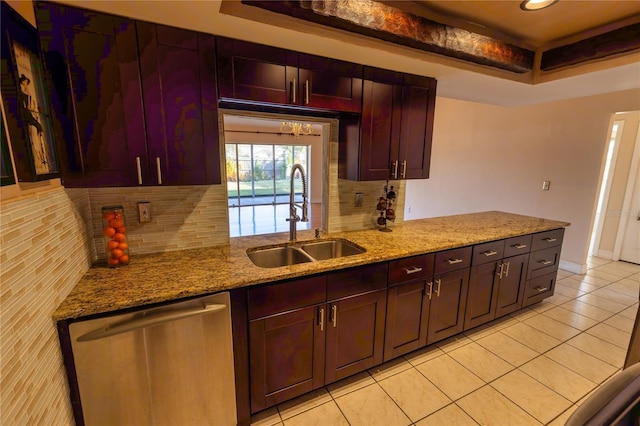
[(293, 215)]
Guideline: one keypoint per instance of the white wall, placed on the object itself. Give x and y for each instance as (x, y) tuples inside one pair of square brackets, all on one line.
[(495, 158)]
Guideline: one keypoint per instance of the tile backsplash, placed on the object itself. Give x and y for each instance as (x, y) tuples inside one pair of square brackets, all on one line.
[(182, 217), (45, 248)]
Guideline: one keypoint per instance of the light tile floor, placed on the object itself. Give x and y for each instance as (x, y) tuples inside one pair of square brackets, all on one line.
[(535, 366)]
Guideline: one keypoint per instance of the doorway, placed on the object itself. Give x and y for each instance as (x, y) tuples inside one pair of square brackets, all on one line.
[(259, 155), (616, 231)]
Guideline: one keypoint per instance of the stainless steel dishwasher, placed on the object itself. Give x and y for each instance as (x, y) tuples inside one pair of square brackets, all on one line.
[(169, 365)]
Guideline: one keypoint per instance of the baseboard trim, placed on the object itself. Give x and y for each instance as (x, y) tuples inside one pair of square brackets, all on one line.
[(605, 254), (576, 268)]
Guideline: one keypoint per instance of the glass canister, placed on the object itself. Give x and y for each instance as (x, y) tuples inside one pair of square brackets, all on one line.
[(114, 229)]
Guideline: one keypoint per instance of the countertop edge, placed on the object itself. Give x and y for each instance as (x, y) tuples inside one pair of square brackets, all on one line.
[(171, 276)]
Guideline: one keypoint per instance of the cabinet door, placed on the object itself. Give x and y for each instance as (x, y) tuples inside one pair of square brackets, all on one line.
[(482, 294), (330, 84), (254, 72), (407, 317), (511, 287), (416, 127), (286, 355), (448, 302), (97, 101), (355, 333), (180, 98)]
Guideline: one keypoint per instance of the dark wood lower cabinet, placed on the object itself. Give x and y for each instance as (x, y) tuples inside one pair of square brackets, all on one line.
[(448, 302), (308, 332), (483, 291), (511, 287), (407, 319), (286, 355), (355, 334)]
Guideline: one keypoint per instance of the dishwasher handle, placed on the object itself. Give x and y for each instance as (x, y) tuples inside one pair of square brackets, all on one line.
[(147, 321)]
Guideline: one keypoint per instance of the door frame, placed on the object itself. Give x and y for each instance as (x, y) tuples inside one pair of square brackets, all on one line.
[(600, 211), (628, 194)]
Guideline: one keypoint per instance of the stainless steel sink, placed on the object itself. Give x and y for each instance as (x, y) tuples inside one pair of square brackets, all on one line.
[(274, 257), (303, 252), (330, 249)]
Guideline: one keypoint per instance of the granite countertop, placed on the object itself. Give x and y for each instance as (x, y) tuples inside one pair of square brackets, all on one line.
[(162, 277)]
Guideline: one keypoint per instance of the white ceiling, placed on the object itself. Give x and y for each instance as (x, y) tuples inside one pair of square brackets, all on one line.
[(454, 80)]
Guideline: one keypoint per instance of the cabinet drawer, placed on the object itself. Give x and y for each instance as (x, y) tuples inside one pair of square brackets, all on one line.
[(352, 281), (487, 252), (517, 245), (452, 260), (542, 262), (285, 296), (410, 269), (539, 288), (546, 239)]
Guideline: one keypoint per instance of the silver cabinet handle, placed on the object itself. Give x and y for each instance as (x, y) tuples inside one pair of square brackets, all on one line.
[(549, 239), (439, 282), (334, 314), (500, 270), (321, 319), (519, 246), (454, 261), (306, 92), (413, 270), (142, 322), (404, 169), (506, 272), (139, 170), (159, 170), (541, 289), (293, 91), (489, 253), (546, 262), (395, 169), (430, 284)]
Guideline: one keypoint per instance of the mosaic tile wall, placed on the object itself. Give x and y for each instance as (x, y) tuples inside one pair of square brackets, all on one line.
[(44, 250), (182, 217)]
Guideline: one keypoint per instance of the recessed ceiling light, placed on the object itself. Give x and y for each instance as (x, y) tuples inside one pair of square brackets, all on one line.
[(529, 5)]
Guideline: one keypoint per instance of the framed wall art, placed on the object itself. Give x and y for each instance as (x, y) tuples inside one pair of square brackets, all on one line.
[(6, 169), (25, 98)]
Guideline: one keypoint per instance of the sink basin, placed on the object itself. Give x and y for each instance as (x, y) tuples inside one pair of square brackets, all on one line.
[(275, 257), (292, 254), (330, 249)]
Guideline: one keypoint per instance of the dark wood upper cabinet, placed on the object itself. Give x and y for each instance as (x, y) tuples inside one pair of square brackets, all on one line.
[(266, 74), (392, 137), (97, 98), (178, 72), (133, 103)]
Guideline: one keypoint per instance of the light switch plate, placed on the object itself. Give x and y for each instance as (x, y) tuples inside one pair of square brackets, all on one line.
[(144, 211), (358, 201), (545, 185)]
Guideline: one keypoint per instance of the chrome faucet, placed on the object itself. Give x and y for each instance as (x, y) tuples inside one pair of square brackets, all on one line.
[(293, 218)]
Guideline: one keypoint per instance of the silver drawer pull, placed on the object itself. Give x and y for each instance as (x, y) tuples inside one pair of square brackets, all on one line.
[(454, 261), (439, 282), (546, 262), (430, 284), (413, 270), (549, 239), (321, 315), (541, 289), (519, 246), (489, 253), (334, 315)]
